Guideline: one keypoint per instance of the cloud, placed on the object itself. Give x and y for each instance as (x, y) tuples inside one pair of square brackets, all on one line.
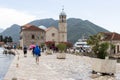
[(9, 17)]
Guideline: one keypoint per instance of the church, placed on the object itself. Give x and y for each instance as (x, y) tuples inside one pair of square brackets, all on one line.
[(60, 34), (31, 34)]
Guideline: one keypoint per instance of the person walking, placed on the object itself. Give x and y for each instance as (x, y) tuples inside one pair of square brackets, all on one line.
[(25, 51), (37, 52), (33, 51)]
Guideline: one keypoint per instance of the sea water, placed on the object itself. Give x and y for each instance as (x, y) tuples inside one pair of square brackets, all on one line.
[(5, 61)]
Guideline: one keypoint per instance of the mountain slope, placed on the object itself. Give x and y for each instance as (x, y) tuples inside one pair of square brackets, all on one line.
[(45, 22), (76, 28), (12, 31)]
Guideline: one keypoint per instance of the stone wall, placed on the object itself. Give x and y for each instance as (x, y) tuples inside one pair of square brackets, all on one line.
[(39, 37)]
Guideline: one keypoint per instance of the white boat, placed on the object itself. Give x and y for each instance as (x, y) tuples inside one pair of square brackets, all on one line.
[(82, 45)]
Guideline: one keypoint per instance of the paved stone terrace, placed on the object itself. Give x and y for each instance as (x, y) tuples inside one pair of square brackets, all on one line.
[(49, 68)]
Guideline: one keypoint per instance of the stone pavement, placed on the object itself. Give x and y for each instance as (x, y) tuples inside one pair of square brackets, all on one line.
[(49, 68), (25, 68)]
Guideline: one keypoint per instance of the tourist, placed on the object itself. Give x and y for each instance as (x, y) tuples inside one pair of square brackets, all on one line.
[(33, 51), (25, 51), (14, 46), (37, 52)]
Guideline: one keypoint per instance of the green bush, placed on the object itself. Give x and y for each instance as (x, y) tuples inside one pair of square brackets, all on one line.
[(102, 53), (61, 47), (99, 48)]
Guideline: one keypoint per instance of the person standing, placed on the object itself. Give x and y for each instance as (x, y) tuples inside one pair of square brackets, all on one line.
[(25, 51), (37, 52)]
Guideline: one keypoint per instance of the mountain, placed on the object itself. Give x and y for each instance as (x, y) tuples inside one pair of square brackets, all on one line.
[(45, 22), (76, 28), (79, 28), (1, 30), (12, 31)]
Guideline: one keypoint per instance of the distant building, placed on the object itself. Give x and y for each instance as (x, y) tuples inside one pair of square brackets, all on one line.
[(113, 38), (31, 34)]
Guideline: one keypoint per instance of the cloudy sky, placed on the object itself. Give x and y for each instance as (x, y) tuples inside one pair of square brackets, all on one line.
[(105, 13)]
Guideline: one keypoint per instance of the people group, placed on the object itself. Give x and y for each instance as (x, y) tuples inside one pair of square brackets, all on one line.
[(36, 51)]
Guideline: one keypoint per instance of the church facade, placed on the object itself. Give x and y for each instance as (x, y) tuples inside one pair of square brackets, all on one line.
[(52, 35), (31, 34)]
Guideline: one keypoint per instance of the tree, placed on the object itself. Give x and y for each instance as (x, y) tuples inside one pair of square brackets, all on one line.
[(1, 38), (98, 47), (102, 51), (8, 39), (61, 47), (50, 43), (68, 44)]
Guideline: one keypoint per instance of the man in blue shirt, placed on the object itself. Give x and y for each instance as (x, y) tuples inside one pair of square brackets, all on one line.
[(37, 52)]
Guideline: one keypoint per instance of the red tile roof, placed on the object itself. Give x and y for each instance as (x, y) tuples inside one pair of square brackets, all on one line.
[(31, 27), (111, 36)]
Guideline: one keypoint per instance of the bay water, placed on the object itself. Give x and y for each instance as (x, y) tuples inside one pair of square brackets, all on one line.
[(5, 61)]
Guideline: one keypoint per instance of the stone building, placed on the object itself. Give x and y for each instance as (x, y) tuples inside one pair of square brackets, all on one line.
[(31, 34), (60, 34), (52, 34), (113, 38)]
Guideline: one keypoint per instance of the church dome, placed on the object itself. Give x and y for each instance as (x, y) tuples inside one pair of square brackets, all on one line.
[(63, 13)]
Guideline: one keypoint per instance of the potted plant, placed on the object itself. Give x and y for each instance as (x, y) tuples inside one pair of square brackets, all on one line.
[(14, 78), (100, 49), (61, 49), (49, 45), (48, 52)]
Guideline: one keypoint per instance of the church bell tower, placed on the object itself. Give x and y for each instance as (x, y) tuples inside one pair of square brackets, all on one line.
[(62, 27)]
